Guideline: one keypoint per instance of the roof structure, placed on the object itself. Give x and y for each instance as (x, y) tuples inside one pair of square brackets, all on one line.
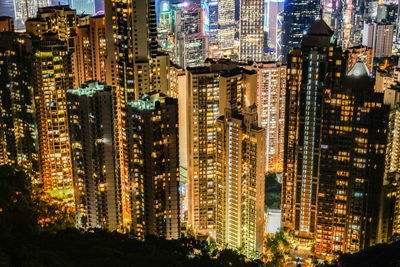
[(359, 70), (319, 27)]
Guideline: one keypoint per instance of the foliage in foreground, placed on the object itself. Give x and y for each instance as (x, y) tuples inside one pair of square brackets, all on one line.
[(378, 255), (24, 241), (278, 249)]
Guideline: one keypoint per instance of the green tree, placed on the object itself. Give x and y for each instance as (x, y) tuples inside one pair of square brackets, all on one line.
[(23, 207), (272, 192), (278, 248)]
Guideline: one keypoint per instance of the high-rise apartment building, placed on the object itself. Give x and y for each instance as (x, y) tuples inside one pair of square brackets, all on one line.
[(91, 133), (159, 76), (52, 74), (303, 127), (334, 148), (90, 51), (390, 222), (154, 165), (86, 7), (271, 97), (298, 17), (61, 20), (131, 43), (227, 27), (202, 107), (251, 30), (353, 146), (379, 36), (204, 104), (17, 130), (240, 165), (131, 32)]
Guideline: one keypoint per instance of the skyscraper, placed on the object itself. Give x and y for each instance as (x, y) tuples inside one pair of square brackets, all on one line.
[(7, 8), (90, 51), (91, 132), (17, 130), (334, 148), (298, 17), (83, 6), (191, 41), (303, 127), (52, 74), (271, 91), (27, 9), (213, 20), (131, 31), (154, 165), (379, 36), (240, 165), (204, 104), (273, 24), (351, 164), (251, 30), (226, 29), (390, 214)]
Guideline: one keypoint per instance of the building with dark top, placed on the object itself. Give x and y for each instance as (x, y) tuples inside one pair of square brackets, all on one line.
[(92, 151), (17, 126), (152, 123), (352, 164), (334, 147), (298, 17)]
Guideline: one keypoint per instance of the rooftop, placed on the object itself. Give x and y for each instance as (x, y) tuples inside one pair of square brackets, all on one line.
[(319, 27), (359, 70), (148, 101), (88, 89)]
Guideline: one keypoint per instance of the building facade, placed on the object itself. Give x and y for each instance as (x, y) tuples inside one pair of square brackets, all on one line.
[(251, 30), (298, 17), (271, 91), (226, 27), (52, 74), (240, 166), (91, 132), (27, 9), (154, 166), (334, 148), (353, 146), (6, 24), (379, 36), (86, 7), (18, 130), (90, 51)]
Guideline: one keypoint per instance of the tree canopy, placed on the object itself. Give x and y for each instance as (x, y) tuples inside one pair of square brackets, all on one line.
[(36, 233)]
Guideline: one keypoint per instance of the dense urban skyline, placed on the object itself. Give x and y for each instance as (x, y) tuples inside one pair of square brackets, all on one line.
[(164, 117)]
